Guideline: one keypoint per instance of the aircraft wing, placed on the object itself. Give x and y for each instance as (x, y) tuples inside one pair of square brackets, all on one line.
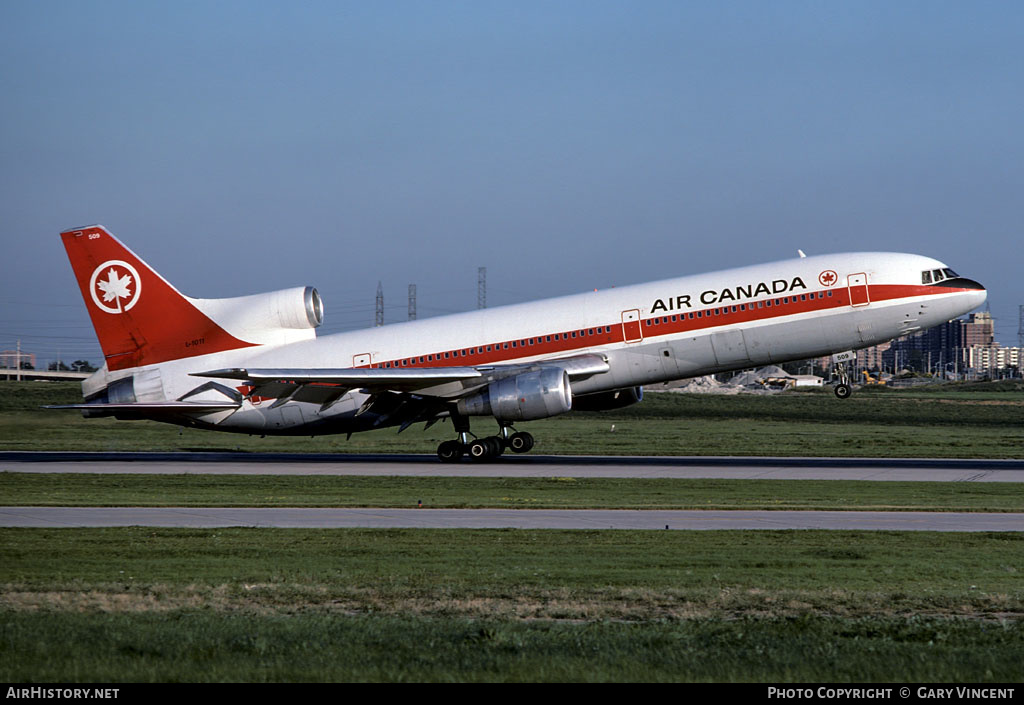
[(326, 385)]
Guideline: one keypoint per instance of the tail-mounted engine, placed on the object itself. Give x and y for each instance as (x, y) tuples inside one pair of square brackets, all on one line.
[(274, 317), (525, 397)]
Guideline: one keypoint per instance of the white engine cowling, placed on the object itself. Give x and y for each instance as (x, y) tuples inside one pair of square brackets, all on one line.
[(277, 316), (525, 397)]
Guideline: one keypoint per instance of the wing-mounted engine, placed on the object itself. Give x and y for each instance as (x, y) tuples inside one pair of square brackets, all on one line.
[(523, 397), (284, 316)]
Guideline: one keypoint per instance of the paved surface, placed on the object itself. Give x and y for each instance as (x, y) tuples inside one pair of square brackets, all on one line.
[(741, 468), (201, 517), (513, 466)]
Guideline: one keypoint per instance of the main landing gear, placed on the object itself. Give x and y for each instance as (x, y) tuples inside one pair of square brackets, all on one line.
[(482, 449)]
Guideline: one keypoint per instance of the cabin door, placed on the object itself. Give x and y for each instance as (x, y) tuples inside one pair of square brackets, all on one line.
[(631, 329), (858, 285)]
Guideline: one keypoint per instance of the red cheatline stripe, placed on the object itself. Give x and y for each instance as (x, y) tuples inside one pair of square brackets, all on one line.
[(662, 325)]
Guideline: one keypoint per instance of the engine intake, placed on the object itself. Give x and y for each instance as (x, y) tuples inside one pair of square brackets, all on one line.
[(525, 397)]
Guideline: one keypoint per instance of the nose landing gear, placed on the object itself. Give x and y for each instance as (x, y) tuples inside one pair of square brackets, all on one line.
[(843, 390)]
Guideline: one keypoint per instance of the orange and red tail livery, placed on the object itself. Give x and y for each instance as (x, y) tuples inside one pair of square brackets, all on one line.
[(139, 318)]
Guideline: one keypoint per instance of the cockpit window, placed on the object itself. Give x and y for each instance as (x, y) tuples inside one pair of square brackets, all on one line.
[(934, 276)]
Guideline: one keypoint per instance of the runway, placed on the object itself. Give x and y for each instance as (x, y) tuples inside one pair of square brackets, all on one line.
[(576, 519), (686, 467), (695, 467)]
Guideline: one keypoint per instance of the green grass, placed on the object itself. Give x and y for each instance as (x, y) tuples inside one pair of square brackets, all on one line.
[(81, 490), (516, 573), (196, 646), (966, 421), (437, 605)]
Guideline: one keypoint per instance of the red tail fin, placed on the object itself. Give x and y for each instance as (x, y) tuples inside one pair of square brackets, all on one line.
[(139, 318)]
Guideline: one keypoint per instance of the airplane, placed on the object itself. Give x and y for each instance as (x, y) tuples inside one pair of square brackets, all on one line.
[(254, 364)]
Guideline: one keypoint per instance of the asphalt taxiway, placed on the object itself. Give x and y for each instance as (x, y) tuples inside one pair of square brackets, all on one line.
[(586, 519), (509, 465), (874, 469)]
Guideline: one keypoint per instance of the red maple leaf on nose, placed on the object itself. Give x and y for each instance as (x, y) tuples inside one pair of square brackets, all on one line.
[(827, 278)]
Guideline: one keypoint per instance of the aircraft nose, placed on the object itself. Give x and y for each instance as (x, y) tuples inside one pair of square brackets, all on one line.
[(973, 290), (963, 283)]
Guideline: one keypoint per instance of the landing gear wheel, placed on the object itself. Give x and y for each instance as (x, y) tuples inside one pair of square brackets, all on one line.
[(450, 452), (480, 450), (497, 445), (520, 442), (843, 391)]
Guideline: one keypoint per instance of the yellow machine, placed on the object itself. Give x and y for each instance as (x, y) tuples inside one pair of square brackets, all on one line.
[(868, 379)]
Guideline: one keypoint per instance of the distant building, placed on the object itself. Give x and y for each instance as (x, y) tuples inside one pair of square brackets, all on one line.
[(872, 358), (964, 347), (9, 359)]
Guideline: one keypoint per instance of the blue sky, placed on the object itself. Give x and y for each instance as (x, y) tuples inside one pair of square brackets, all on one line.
[(249, 146)]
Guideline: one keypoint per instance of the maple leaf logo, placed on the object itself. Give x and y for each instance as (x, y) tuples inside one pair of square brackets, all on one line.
[(119, 284), (116, 287), (828, 277)]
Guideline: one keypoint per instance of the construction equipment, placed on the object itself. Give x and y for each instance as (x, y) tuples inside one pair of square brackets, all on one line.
[(868, 379)]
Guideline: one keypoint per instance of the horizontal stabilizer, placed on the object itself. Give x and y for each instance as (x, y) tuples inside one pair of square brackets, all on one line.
[(147, 410)]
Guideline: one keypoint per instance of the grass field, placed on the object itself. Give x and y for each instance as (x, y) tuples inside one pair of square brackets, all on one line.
[(140, 604), (251, 605)]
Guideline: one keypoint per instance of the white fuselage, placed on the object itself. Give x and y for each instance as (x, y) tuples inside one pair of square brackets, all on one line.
[(648, 333)]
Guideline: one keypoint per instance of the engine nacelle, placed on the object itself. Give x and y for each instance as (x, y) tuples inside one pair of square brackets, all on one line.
[(606, 401), (274, 317), (525, 397)]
